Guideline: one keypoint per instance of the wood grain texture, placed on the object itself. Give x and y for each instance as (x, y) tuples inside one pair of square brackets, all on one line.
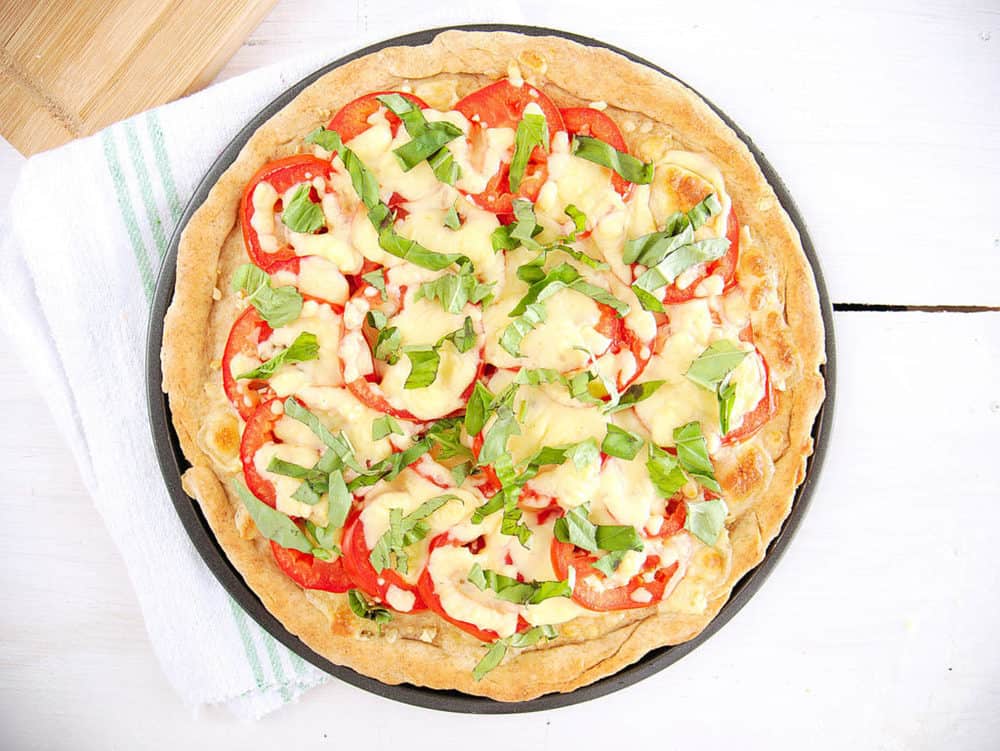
[(878, 628), (70, 67)]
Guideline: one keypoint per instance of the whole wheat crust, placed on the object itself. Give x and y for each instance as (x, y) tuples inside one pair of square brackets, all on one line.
[(760, 478)]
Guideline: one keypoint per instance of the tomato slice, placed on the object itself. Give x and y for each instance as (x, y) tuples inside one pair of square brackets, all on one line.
[(674, 517), (247, 332), (586, 121), (352, 119), (282, 174), (724, 267), (430, 596), (258, 431), (310, 572), (359, 567), (755, 419), (501, 105), (566, 556)]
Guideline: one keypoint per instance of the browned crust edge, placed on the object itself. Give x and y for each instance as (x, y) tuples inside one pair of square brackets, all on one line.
[(573, 74)]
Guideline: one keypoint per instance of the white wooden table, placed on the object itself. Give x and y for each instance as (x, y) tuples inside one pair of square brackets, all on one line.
[(878, 630)]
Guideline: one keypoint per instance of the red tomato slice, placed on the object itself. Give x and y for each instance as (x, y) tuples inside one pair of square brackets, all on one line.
[(566, 556), (360, 570), (759, 415), (282, 174), (310, 572), (426, 586), (622, 337), (352, 119), (258, 431), (674, 517), (501, 105), (247, 332), (586, 121), (724, 267)]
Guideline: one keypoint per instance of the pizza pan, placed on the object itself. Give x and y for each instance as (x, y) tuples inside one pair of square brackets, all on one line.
[(172, 461)]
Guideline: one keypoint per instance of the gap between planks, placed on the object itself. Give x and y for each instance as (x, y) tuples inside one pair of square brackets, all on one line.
[(853, 307)]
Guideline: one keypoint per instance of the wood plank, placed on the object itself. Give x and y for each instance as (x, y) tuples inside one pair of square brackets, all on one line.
[(70, 67), (884, 121), (877, 628)]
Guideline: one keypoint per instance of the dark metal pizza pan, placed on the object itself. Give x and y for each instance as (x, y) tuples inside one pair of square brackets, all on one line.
[(172, 461)]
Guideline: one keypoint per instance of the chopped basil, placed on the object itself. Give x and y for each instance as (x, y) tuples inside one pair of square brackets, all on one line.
[(369, 611), (561, 277), (328, 140), (376, 278), (532, 131), (575, 527), (452, 220), (391, 466), (389, 551), (498, 649), (278, 306), (512, 590), (514, 333), (387, 345), (621, 443), (584, 453), (424, 363), (446, 435), (339, 444), (460, 471), (313, 476), (304, 348), (376, 319), (340, 500), (634, 394), (677, 230), (525, 225), (326, 540), (496, 437), (476, 408), (579, 221), (385, 425), (428, 142), (706, 519), (704, 210), (692, 453), (664, 472), (464, 338), (410, 250), (271, 523), (501, 239), (678, 261), (455, 290), (607, 564), (606, 155), (300, 214), (715, 363), (726, 396)]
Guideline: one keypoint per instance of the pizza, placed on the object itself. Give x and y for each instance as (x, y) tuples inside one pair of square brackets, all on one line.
[(496, 362)]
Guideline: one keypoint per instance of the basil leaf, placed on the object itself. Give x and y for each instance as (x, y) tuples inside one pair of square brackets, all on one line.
[(575, 527), (715, 363), (608, 564), (491, 506), (304, 348), (501, 239), (338, 443), (647, 300), (410, 250), (376, 278), (704, 210), (706, 519), (424, 363), (621, 443), (693, 455), (464, 338), (403, 531), (634, 394), (384, 426), (614, 537), (444, 167), (493, 657), (726, 395), (578, 386), (532, 131), (525, 225), (460, 471), (584, 453), (413, 119), (390, 467), (387, 345), (363, 609), (495, 439), (606, 155), (565, 276), (538, 376), (271, 523), (306, 493), (340, 500), (326, 538), (516, 330), (650, 249), (278, 306), (664, 472), (454, 291), (446, 434), (579, 221), (325, 139), (511, 523), (452, 219), (289, 469), (678, 261), (426, 143), (532, 636), (300, 214), (476, 408), (512, 590)]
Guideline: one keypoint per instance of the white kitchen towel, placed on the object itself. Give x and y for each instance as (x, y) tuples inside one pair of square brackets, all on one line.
[(86, 229)]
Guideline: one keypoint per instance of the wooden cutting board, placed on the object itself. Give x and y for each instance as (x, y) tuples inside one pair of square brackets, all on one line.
[(70, 67)]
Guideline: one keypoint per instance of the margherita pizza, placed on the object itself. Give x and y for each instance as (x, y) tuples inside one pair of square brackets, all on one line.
[(496, 361)]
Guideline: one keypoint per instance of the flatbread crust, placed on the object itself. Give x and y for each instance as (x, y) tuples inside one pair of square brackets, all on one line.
[(760, 477)]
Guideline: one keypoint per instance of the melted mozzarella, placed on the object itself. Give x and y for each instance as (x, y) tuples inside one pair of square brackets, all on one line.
[(449, 569), (472, 239), (291, 378), (284, 487), (680, 180), (625, 494), (576, 181)]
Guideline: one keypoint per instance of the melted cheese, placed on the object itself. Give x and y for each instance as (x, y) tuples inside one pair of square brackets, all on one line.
[(291, 378), (576, 181)]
